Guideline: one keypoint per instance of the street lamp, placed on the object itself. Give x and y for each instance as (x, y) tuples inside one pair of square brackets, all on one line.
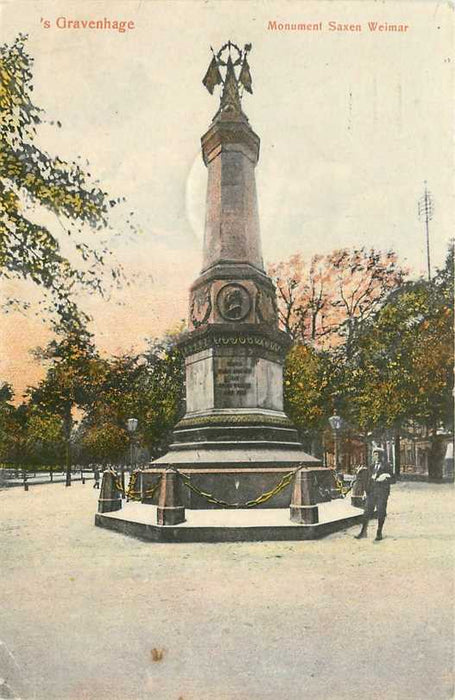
[(131, 425), (335, 424)]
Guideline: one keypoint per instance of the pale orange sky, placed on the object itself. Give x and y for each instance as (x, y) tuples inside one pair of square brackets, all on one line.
[(350, 124)]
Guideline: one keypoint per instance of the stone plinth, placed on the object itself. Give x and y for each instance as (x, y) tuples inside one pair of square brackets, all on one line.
[(236, 482), (234, 368)]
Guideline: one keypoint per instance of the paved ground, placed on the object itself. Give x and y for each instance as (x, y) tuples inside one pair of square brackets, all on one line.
[(90, 614)]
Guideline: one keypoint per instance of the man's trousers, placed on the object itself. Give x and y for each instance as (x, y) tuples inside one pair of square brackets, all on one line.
[(377, 500)]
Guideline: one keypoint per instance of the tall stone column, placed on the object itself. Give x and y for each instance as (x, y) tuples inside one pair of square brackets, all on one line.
[(234, 351), (230, 149)]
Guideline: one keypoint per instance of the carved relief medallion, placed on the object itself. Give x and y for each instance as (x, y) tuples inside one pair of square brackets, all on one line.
[(233, 302), (201, 306)]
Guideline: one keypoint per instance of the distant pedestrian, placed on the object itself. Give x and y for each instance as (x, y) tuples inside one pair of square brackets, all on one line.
[(96, 474), (377, 492)]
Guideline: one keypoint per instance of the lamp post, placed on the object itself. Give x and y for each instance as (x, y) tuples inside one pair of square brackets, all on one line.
[(335, 424), (131, 425)]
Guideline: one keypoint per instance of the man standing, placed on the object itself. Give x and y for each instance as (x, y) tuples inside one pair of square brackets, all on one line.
[(377, 491), (96, 475)]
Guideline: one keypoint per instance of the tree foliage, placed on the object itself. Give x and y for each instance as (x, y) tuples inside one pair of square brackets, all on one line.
[(45, 437), (148, 387), (370, 345), (310, 380), (13, 427), (73, 366), (30, 178), (324, 302), (403, 368), (103, 393)]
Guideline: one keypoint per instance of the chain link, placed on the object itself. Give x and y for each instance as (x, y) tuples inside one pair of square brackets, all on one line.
[(133, 495), (267, 495), (339, 484)]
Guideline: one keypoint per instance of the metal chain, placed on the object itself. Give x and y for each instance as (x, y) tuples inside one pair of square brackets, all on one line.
[(267, 495), (133, 495), (339, 484)]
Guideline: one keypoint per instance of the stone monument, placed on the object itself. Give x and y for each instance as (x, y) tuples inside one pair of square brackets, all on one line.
[(234, 441)]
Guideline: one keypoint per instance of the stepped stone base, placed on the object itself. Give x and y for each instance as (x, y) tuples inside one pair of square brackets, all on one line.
[(255, 525), (236, 455)]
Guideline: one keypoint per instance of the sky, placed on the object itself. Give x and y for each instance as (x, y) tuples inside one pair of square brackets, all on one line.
[(351, 124)]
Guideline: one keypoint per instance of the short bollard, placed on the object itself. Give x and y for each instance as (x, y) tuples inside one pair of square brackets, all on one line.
[(51, 474), (303, 508), (25, 481), (359, 488), (110, 497), (171, 510)]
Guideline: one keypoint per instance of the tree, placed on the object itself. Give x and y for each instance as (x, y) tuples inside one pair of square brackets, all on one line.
[(103, 441), (7, 412), (148, 387), (30, 178), (71, 381), (303, 297), (105, 392), (374, 347), (402, 368), (310, 384), (323, 303), (13, 428), (45, 436)]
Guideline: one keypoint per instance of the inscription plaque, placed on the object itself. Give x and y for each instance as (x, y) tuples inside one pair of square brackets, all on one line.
[(235, 383), (232, 378)]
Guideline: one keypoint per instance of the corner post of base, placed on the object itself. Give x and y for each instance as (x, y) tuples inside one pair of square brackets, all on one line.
[(171, 510), (303, 509)]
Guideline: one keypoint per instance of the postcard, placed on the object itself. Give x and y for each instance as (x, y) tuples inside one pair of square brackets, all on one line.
[(226, 357)]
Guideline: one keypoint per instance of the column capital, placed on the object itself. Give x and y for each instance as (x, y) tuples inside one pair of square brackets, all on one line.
[(235, 135)]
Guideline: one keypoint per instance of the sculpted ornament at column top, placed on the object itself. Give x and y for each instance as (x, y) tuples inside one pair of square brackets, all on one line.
[(266, 307), (201, 306), (229, 59), (233, 302)]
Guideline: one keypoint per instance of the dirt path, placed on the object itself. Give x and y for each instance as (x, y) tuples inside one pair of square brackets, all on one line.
[(90, 614)]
